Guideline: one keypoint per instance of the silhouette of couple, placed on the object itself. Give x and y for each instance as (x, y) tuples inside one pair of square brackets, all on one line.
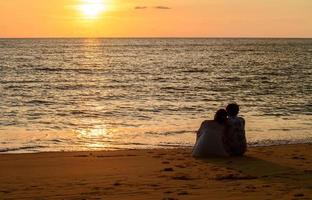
[(223, 136)]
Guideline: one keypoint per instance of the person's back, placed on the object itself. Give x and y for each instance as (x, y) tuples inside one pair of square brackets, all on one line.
[(235, 137), (210, 139)]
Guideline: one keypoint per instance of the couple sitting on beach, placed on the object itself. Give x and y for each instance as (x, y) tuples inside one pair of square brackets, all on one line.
[(223, 136)]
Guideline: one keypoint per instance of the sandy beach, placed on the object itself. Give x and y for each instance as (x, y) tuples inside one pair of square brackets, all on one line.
[(277, 172)]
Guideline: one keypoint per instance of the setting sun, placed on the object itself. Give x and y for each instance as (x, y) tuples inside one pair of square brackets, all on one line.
[(92, 8)]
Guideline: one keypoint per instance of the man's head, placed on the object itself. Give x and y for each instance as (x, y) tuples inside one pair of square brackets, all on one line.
[(232, 109)]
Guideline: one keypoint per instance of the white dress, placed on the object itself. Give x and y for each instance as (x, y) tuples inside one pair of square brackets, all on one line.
[(210, 141)]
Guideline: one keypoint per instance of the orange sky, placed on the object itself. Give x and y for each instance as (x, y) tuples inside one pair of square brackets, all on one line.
[(155, 18)]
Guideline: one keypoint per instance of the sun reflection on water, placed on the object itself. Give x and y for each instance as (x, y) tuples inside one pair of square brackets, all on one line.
[(95, 138), (98, 132)]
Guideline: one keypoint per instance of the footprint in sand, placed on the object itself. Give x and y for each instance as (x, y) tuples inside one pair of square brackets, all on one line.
[(81, 183), (183, 193), (5, 191), (234, 177), (180, 166), (251, 187), (154, 185), (266, 186), (168, 169), (117, 183), (298, 195), (298, 158), (96, 188), (182, 178), (308, 171)]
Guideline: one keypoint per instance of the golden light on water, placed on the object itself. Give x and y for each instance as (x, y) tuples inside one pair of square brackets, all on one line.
[(93, 133), (96, 138), (92, 9)]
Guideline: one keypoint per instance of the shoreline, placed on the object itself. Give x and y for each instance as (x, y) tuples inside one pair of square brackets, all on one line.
[(15, 151), (282, 171)]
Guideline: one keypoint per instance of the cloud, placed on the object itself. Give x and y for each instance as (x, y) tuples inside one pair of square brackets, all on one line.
[(156, 7), (140, 7), (162, 7)]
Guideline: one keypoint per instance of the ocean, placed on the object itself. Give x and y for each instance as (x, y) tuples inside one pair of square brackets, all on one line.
[(107, 94)]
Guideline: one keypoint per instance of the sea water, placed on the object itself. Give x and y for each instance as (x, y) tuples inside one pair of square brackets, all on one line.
[(104, 94)]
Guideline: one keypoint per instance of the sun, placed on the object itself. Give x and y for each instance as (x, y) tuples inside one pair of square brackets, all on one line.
[(91, 9)]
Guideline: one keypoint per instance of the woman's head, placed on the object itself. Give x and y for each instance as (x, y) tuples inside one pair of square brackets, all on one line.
[(221, 116)]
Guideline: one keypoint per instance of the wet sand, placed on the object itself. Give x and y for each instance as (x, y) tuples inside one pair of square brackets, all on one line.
[(277, 172)]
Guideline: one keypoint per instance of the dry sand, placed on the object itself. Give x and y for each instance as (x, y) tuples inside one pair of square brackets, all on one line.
[(278, 172)]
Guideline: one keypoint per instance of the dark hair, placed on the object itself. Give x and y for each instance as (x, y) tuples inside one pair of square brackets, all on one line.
[(232, 109), (220, 116)]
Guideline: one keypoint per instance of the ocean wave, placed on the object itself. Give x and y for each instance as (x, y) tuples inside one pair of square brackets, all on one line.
[(40, 102), (269, 142), (167, 133), (23, 148)]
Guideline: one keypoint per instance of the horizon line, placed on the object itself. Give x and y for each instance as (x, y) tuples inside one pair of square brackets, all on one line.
[(164, 37)]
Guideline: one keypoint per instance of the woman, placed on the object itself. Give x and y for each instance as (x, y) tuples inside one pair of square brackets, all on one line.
[(209, 140)]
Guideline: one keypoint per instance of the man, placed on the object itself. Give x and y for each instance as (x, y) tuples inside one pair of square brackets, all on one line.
[(235, 138)]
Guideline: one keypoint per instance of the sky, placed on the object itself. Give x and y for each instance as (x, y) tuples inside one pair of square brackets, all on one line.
[(155, 18)]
